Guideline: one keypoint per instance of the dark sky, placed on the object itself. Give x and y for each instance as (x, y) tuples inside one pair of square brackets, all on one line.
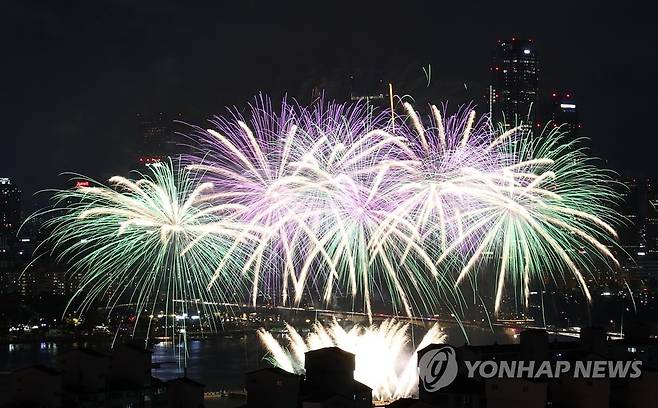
[(75, 73)]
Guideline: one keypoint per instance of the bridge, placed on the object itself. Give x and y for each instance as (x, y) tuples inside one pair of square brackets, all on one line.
[(360, 317)]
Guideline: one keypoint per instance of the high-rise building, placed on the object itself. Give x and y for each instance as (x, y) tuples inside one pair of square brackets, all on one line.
[(633, 196), (10, 208), (514, 80), (564, 113), (158, 138), (10, 219), (651, 226), (638, 235)]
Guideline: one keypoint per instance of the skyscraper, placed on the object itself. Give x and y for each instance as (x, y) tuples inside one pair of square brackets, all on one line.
[(651, 228), (10, 208), (633, 207), (638, 235), (158, 138), (564, 113), (10, 218), (514, 79)]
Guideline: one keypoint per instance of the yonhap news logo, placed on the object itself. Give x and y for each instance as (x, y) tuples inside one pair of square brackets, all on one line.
[(554, 369), (439, 367)]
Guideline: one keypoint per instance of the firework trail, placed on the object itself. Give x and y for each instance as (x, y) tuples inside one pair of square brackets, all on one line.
[(333, 200), (319, 179), (384, 358), (354, 204), (533, 207), (151, 242), (547, 212)]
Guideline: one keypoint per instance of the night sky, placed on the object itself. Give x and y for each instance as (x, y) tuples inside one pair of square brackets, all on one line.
[(75, 74)]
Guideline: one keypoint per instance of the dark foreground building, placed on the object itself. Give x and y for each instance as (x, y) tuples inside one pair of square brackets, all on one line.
[(90, 379), (328, 383)]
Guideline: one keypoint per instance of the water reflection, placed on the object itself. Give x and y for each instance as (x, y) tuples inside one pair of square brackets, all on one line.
[(218, 362)]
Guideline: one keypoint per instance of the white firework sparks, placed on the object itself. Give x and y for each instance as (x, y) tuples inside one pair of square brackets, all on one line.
[(384, 358)]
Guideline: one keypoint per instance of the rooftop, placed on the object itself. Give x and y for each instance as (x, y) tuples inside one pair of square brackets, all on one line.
[(186, 380)]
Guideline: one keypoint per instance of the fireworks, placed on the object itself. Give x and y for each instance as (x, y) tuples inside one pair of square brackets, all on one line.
[(320, 179), (356, 203), (384, 358), (315, 202), (141, 238), (531, 207), (544, 213)]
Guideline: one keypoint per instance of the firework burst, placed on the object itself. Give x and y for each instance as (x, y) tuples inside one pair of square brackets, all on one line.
[(547, 212), (322, 189), (385, 359), (150, 242), (535, 207)]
